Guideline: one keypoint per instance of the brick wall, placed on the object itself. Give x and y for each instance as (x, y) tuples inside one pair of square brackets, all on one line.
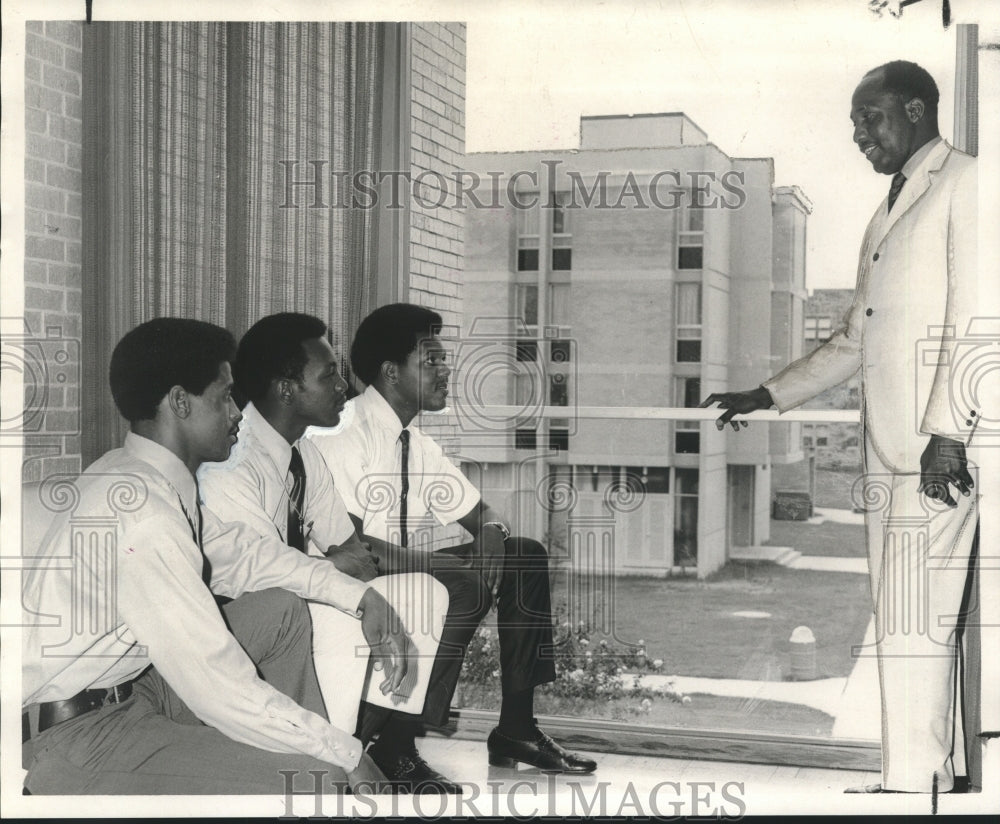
[(52, 298), (437, 108), (437, 111)]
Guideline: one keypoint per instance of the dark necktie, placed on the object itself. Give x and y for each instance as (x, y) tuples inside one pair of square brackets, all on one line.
[(296, 502), (195, 522), (404, 486), (898, 180)]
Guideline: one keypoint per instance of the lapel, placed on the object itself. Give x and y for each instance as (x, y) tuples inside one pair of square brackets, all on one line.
[(914, 188)]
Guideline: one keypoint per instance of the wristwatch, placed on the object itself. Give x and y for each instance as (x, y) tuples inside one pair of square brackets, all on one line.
[(499, 525)]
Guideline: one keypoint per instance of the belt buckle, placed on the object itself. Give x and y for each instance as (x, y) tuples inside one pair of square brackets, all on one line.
[(111, 696)]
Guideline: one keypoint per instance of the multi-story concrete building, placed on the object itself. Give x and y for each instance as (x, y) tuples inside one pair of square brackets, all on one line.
[(648, 268)]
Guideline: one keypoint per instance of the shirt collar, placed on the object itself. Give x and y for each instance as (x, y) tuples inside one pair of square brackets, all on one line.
[(167, 464), (382, 411), (918, 157), (267, 436)]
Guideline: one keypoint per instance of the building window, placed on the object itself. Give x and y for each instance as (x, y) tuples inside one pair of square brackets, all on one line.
[(562, 239), (528, 235), (525, 438), (559, 439), (688, 309), (558, 390), (691, 237), (527, 350), (817, 329), (558, 314), (656, 479), (559, 396), (527, 240), (526, 304), (687, 442), (686, 517), (687, 434)]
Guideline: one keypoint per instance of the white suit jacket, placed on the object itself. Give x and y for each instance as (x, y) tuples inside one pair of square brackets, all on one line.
[(907, 327)]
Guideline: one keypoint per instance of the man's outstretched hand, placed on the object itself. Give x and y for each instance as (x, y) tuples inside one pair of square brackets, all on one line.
[(944, 462), (738, 403), (389, 642)]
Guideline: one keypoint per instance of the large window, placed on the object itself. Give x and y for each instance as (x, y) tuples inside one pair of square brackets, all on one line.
[(655, 559)]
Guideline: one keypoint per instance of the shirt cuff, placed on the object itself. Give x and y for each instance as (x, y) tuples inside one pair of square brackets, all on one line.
[(337, 588), (346, 752)]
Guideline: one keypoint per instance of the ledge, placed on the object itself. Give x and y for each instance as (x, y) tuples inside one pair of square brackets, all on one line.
[(742, 747)]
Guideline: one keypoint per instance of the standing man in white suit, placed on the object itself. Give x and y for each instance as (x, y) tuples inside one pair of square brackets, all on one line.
[(916, 293)]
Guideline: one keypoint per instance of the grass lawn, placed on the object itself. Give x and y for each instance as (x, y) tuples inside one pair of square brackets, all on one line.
[(846, 540), (690, 625)]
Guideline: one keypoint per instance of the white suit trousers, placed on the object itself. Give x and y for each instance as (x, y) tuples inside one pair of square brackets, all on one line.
[(919, 562)]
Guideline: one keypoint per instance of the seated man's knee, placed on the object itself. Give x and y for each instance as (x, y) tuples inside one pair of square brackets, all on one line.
[(279, 603), (530, 552), (419, 599), (469, 599)]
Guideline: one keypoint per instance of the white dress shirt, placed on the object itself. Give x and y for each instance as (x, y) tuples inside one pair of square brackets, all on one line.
[(119, 585), (254, 484), (364, 454)]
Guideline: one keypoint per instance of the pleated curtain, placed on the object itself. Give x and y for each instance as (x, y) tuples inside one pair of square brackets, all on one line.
[(190, 130)]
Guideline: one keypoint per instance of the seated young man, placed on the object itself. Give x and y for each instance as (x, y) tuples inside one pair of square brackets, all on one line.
[(377, 448), (145, 684), (279, 485)]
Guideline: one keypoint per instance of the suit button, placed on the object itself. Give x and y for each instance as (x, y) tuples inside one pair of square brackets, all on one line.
[(875, 256), (868, 312)]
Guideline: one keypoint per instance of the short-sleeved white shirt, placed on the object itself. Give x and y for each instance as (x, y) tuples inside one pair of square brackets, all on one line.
[(364, 454)]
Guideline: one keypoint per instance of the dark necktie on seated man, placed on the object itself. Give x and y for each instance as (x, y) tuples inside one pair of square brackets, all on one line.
[(895, 188), (404, 486), (295, 534)]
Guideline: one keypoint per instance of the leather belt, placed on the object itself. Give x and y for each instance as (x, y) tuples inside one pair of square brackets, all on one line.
[(51, 713)]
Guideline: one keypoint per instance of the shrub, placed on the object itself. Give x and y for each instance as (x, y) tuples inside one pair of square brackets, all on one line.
[(586, 669)]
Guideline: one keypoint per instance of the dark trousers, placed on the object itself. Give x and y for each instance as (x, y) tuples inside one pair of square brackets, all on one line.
[(524, 620), (153, 744)]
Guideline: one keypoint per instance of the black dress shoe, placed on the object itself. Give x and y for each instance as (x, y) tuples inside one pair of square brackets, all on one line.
[(541, 752), (407, 772)]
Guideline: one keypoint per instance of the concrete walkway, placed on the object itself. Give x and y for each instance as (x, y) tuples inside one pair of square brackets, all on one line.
[(830, 563), (795, 558)]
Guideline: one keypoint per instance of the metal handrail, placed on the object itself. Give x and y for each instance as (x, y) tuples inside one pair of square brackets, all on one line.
[(661, 413)]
